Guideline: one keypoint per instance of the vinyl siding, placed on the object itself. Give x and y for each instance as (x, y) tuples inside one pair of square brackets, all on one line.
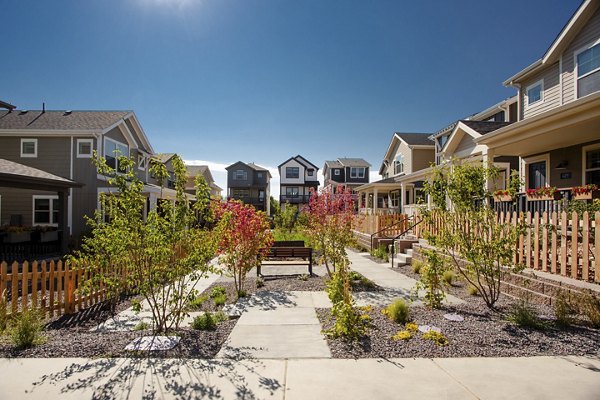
[(466, 143), (422, 159), (589, 34), (84, 199), (551, 92), (52, 153)]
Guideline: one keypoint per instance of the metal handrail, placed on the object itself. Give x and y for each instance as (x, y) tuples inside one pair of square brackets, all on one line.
[(398, 237), (388, 227)]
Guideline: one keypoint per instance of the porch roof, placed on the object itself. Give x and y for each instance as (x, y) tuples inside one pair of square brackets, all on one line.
[(21, 176), (574, 123), (396, 181)]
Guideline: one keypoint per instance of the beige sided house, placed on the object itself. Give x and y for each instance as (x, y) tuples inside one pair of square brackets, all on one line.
[(403, 170), (195, 170), (62, 143)]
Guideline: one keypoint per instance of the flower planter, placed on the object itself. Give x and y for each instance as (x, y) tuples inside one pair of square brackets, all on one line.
[(50, 236), (17, 237), (503, 197), (537, 197), (594, 194)]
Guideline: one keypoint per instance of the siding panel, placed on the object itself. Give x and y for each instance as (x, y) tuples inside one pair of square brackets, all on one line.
[(551, 96)]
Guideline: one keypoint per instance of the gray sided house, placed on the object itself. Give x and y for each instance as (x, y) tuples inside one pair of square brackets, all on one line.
[(195, 170), (62, 143), (346, 172), (249, 183), (298, 177)]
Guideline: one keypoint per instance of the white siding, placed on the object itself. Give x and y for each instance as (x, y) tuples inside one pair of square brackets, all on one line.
[(551, 93), (291, 181)]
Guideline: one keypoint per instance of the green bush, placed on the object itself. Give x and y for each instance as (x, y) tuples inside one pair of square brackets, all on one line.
[(472, 290), (26, 330), (588, 304), (220, 300), (303, 277), (431, 279), (204, 322), (403, 335), (356, 278), (218, 291), (141, 326), (260, 282), (525, 316), (449, 278), (381, 253), (563, 310), (196, 303), (436, 337), (398, 311), (416, 266)]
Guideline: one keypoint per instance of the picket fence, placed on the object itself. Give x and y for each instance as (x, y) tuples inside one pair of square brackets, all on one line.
[(557, 243)]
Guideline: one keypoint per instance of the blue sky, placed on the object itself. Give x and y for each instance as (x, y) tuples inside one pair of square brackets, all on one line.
[(257, 80)]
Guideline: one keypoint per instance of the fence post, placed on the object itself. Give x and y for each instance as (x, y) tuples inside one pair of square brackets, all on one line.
[(574, 244)]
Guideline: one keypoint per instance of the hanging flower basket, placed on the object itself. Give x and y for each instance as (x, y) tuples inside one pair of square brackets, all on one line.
[(503, 196), (587, 192), (543, 194)]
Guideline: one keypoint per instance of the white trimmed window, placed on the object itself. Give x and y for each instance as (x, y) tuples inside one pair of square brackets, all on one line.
[(113, 150), (399, 164), (142, 162), (29, 148), (85, 148), (291, 191), (588, 70), (356, 172), (534, 93), (310, 172), (336, 172), (591, 165), (45, 210)]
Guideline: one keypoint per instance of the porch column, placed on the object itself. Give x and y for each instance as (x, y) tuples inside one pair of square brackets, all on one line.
[(153, 201), (63, 220), (488, 160), (375, 194), (360, 202), (402, 197)]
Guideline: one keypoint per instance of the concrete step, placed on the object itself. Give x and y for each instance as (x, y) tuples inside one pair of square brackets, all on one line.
[(403, 258), (409, 252)]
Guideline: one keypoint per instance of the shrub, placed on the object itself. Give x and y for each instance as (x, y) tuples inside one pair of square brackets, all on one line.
[(208, 321), (141, 326), (472, 290), (381, 253), (260, 282), (196, 303), (218, 291), (27, 329), (403, 335), (356, 278), (431, 279), (220, 300), (589, 305), (525, 316), (398, 311), (448, 278), (412, 327), (416, 266), (563, 310), (436, 337), (241, 293), (303, 277)]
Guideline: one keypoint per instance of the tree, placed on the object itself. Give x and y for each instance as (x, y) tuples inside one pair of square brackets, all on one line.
[(469, 235), (329, 227), (244, 238), (161, 256)]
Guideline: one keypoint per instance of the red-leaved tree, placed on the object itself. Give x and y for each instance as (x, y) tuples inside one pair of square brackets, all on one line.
[(245, 238)]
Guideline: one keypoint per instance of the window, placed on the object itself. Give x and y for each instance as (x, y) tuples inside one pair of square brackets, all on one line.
[(336, 172), (534, 93), (291, 191), (45, 210), (292, 172), (142, 161), (240, 175), (399, 165), (592, 165), (85, 147), (310, 172), (537, 175), (112, 151), (240, 193), (588, 70), (260, 175), (29, 148), (356, 172), (394, 199)]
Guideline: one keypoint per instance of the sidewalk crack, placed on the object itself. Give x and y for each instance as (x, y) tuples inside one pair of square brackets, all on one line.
[(456, 380)]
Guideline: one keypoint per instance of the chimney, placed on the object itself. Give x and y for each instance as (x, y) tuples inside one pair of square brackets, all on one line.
[(43, 108)]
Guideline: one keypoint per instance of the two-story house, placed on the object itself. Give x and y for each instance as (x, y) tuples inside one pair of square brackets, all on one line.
[(195, 170), (557, 135), (62, 143), (249, 183), (346, 172), (403, 170), (297, 177)]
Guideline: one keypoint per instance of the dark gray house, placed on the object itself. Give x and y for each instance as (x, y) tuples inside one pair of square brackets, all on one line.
[(249, 183), (62, 143), (346, 172)]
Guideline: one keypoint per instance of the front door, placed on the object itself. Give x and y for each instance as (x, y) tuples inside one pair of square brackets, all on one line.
[(537, 175)]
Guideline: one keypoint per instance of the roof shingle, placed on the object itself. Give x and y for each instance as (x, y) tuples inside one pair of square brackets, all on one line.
[(60, 120)]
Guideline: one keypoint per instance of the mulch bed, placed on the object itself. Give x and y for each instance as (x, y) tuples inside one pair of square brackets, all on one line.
[(483, 333)]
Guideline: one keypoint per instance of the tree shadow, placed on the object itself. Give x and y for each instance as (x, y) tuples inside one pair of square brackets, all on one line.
[(155, 378)]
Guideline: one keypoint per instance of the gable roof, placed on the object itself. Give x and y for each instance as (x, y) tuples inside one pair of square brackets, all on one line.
[(566, 35), (251, 166), (164, 157), (415, 139), (301, 160), (333, 164), (60, 120), (353, 162), (483, 127)]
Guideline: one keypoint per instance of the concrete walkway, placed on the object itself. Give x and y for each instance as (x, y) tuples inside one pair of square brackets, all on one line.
[(547, 378), (395, 284)]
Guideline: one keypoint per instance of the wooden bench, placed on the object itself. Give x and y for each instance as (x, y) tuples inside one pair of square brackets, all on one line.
[(287, 256)]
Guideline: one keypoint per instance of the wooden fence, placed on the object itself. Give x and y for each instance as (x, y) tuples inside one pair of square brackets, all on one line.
[(558, 243), (53, 287), (370, 224)]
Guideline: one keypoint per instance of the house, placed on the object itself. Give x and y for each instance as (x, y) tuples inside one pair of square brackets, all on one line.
[(249, 183), (297, 177), (62, 143), (195, 170), (557, 135), (402, 172), (346, 172)]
